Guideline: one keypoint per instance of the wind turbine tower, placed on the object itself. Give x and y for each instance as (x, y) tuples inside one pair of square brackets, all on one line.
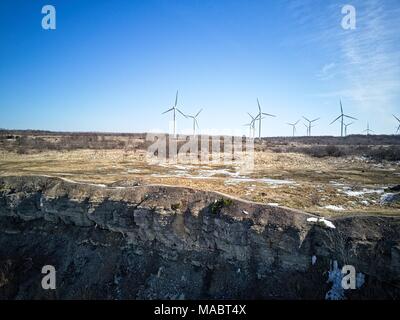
[(174, 109), (342, 116), (368, 130), (195, 123), (252, 126), (398, 128), (259, 117), (310, 124), (294, 126), (345, 127)]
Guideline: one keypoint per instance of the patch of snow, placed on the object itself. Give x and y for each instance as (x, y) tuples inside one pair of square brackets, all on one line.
[(210, 173), (388, 198), (274, 182), (313, 260), (327, 223), (360, 280), (273, 204), (134, 170), (335, 276), (334, 208), (360, 193), (335, 183)]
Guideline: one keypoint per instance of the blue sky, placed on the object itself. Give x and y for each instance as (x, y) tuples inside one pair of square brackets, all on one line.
[(116, 65)]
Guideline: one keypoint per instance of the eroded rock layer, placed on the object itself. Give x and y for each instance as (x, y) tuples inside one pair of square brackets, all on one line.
[(148, 242)]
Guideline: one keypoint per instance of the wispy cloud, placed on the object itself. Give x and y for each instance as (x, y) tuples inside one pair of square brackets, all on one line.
[(367, 59), (371, 56), (328, 71)]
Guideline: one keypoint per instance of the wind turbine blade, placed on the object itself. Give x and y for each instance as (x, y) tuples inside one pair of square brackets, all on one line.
[(335, 120), (315, 119), (398, 129), (349, 117), (182, 113), (296, 122), (396, 118), (267, 114), (198, 112), (258, 103), (341, 107), (168, 110), (176, 98), (306, 119)]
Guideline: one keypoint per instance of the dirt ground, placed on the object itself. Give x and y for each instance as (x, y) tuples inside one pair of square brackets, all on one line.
[(327, 186)]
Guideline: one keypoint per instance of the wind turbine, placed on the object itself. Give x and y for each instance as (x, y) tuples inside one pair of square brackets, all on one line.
[(174, 109), (368, 130), (398, 128), (195, 123), (294, 126), (251, 126), (342, 115), (259, 117), (306, 128), (345, 127), (309, 124)]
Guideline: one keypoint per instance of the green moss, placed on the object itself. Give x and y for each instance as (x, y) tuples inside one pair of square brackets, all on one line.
[(219, 204)]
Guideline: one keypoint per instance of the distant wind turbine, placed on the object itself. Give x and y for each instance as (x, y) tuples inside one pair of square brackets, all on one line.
[(342, 115), (174, 109), (306, 128), (368, 129), (345, 127), (294, 126), (195, 123), (310, 124), (251, 126), (398, 128), (259, 117)]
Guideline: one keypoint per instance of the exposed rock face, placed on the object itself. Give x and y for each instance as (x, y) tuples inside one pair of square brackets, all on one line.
[(146, 242)]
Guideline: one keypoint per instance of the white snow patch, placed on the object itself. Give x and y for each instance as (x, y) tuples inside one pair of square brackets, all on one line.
[(134, 170), (335, 276), (274, 182), (327, 223), (313, 260), (273, 204), (362, 192), (334, 208)]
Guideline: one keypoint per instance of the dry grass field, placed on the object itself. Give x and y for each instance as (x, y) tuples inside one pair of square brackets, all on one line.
[(327, 186)]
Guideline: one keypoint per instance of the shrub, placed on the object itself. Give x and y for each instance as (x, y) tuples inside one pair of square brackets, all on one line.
[(217, 205)]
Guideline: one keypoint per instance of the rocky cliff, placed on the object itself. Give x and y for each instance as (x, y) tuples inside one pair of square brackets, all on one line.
[(147, 242)]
